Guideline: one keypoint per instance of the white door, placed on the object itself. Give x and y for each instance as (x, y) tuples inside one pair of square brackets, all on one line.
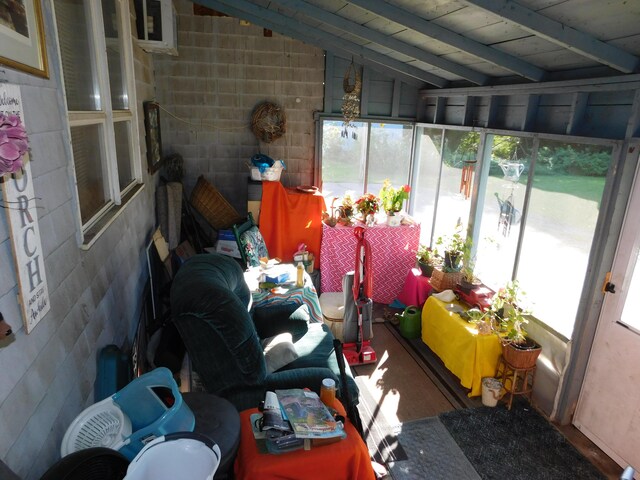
[(608, 410)]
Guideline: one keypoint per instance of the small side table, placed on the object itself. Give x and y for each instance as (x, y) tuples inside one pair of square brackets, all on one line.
[(516, 381), (348, 458), (416, 290)]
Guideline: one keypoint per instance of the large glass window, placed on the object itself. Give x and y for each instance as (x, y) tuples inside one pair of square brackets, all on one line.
[(93, 37), (361, 164), (454, 195), (563, 210), (428, 159), (500, 205)]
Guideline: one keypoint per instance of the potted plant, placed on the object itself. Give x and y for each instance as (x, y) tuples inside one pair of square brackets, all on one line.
[(507, 318), (468, 281), (453, 248), (368, 205), (426, 259), (345, 211), (392, 200)]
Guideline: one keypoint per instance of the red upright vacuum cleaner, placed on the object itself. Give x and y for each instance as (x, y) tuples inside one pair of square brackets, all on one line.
[(358, 308)]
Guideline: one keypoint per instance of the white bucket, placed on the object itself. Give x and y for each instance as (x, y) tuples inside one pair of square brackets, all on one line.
[(491, 391), (170, 456)]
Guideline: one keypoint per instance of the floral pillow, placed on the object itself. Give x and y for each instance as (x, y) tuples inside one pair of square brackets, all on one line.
[(253, 246)]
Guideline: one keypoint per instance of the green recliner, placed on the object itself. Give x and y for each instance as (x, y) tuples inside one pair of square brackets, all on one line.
[(209, 304)]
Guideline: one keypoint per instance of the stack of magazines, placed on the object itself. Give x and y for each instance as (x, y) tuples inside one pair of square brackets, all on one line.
[(293, 419)]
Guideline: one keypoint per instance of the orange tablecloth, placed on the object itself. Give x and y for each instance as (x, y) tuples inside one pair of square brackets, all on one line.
[(347, 459), (289, 217)]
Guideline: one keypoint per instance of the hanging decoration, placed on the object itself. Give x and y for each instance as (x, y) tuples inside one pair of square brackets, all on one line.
[(351, 99), (509, 214), (13, 144), (268, 122), (466, 179)]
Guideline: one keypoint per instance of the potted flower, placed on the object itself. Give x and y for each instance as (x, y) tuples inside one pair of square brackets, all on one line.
[(368, 205), (426, 259), (392, 201)]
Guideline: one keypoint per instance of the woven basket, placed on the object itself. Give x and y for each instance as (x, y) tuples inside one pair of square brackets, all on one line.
[(519, 358), (444, 281), (210, 203)]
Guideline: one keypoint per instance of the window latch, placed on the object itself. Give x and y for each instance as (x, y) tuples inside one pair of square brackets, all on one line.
[(608, 287)]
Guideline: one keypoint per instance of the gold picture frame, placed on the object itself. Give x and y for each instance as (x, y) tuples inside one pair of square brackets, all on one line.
[(22, 40)]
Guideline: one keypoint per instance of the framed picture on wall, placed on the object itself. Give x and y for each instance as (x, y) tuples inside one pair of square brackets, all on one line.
[(152, 132), (22, 43)]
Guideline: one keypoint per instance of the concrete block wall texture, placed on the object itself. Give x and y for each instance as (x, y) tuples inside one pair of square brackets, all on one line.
[(47, 377), (222, 71)]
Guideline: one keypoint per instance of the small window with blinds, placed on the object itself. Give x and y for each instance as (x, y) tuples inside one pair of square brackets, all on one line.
[(94, 37)]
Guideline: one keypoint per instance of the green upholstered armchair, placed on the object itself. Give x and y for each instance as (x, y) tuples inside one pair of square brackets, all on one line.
[(209, 304)]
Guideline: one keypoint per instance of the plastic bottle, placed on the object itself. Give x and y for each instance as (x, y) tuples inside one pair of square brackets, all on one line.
[(328, 392), (300, 275)]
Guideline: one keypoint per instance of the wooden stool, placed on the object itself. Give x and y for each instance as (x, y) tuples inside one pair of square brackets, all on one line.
[(516, 381)]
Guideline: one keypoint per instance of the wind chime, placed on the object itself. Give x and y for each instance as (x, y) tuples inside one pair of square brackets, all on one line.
[(466, 180), (351, 100)]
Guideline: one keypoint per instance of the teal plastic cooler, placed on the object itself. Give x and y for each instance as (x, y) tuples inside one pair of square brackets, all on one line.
[(154, 405)]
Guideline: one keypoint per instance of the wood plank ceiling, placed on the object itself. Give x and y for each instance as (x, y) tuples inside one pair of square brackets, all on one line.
[(456, 43)]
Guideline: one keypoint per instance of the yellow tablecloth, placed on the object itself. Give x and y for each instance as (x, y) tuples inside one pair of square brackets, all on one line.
[(466, 354)]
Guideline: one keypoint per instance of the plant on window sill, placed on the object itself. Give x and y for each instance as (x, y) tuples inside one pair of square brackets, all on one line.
[(393, 198)]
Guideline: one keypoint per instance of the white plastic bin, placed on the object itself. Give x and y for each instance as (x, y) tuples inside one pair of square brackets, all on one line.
[(491, 391)]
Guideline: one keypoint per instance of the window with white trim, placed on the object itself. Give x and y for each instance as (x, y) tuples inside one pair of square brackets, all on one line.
[(95, 50)]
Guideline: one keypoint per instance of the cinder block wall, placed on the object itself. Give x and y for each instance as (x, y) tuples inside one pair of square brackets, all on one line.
[(222, 71)]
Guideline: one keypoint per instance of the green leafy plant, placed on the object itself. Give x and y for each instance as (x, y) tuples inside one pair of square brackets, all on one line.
[(451, 248), (468, 261), (505, 316), (393, 198), (426, 255)]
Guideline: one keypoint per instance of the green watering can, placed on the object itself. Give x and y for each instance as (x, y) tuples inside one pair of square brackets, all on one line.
[(410, 322)]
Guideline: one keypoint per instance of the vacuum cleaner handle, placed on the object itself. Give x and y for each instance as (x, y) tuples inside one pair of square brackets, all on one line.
[(352, 410)]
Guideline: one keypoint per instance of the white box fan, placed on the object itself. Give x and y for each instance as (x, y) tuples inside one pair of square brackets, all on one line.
[(103, 424)]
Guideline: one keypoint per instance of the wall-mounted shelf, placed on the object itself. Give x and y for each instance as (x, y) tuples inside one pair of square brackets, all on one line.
[(156, 26)]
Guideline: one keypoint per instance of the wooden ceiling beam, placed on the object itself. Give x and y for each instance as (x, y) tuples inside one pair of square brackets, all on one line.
[(354, 28), (464, 44), (560, 34)]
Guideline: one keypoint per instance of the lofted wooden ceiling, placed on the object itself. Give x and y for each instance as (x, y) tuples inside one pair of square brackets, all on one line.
[(451, 43)]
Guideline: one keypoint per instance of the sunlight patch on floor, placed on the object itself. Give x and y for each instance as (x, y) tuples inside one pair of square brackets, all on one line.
[(387, 399)]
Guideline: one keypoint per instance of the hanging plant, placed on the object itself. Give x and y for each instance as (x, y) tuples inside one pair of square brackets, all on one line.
[(351, 99), (13, 144)]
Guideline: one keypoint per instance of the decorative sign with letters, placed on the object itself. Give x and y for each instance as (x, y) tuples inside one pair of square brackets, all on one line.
[(20, 204)]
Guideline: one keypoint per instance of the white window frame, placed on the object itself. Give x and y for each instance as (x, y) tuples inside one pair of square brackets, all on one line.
[(90, 231)]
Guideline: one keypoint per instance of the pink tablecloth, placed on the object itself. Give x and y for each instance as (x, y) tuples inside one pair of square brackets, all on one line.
[(393, 254), (416, 288)]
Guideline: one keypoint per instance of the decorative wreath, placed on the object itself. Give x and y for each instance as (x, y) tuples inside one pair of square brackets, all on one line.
[(268, 122)]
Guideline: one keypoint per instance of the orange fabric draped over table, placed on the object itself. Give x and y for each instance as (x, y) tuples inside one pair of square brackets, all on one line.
[(346, 459), (288, 218)]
